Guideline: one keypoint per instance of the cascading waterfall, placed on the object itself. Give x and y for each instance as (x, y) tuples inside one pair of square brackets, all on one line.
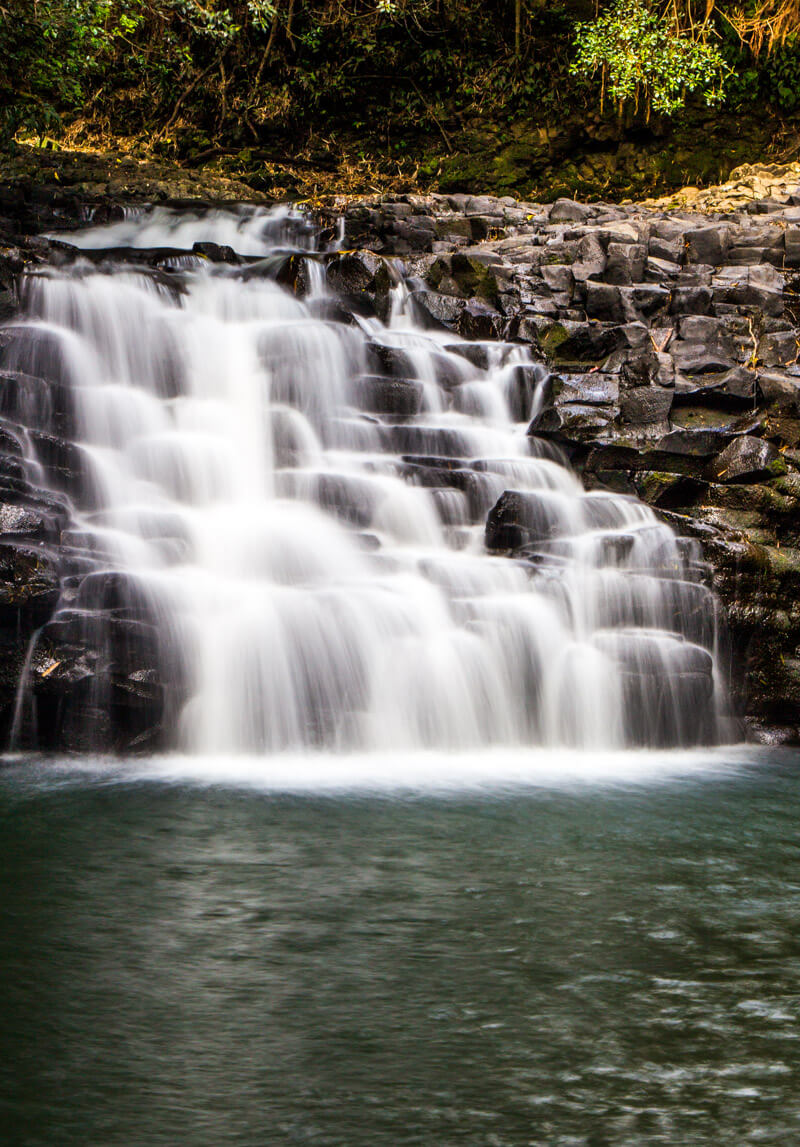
[(279, 511)]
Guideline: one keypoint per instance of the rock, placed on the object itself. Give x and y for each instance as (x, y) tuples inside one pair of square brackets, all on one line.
[(29, 585), (707, 244), (68, 467), (595, 389), (703, 442), (568, 211), (559, 277), (216, 253), (780, 390), (792, 246), (443, 309), (520, 519), (646, 405), (572, 422), (389, 361), (648, 299), (758, 287), (667, 491), (350, 274), (657, 270), (779, 349), (727, 390), (747, 459), (604, 302), (625, 264), (400, 397), (691, 300), (699, 357), (478, 320), (670, 251)]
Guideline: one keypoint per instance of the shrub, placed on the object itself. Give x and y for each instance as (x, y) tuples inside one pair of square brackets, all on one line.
[(644, 59)]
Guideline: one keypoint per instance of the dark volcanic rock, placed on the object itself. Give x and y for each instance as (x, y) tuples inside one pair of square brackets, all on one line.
[(747, 460)]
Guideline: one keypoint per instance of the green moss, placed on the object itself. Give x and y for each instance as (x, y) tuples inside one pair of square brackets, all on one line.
[(474, 277), (552, 338)]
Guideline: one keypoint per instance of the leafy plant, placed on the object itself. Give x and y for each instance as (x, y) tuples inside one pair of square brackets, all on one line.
[(644, 59)]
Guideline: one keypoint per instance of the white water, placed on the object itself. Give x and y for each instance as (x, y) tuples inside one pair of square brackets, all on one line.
[(310, 590)]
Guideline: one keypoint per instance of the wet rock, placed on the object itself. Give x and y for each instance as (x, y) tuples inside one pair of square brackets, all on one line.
[(29, 585), (19, 521), (517, 520), (695, 443), (732, 389), (667, 491), (593, 389), (216, 253), (444, 310), (351, 274), (699, 358), (478, 320), (579, 342), (780, 390), (604, 302), (646, 405), (572, 422), (389, 361), (399, 397), (68, 467), (747, 460)]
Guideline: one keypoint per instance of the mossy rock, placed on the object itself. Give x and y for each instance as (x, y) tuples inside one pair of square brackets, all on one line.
[(552, 338)]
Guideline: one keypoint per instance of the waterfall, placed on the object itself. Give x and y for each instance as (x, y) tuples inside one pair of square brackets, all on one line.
[(278, 518)]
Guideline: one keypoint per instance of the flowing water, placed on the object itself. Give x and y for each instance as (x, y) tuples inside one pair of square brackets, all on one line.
[(294, 490)]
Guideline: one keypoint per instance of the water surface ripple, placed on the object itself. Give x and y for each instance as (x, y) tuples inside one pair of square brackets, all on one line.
[(590, 962)]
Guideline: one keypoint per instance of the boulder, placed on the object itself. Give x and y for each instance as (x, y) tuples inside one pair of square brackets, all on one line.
[(707, 244), (604, 302), (29, 585), (646, 405), (396, 396), (747, 459), (568, 211)]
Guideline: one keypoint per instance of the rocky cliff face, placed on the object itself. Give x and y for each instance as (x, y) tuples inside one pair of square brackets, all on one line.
[(671, 337)]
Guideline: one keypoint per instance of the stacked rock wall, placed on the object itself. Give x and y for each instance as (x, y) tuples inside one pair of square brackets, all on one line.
[(673, 340)]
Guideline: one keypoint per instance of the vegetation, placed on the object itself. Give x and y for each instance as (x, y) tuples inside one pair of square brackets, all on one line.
[(646, 58), (192, 76)]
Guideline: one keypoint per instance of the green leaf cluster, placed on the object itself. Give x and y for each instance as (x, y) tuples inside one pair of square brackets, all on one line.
[(644, 60)]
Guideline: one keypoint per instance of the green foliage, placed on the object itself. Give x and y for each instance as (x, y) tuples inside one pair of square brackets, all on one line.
[(189, 74), (772, 79), (780, 76), (45, 48), (642, 59)]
